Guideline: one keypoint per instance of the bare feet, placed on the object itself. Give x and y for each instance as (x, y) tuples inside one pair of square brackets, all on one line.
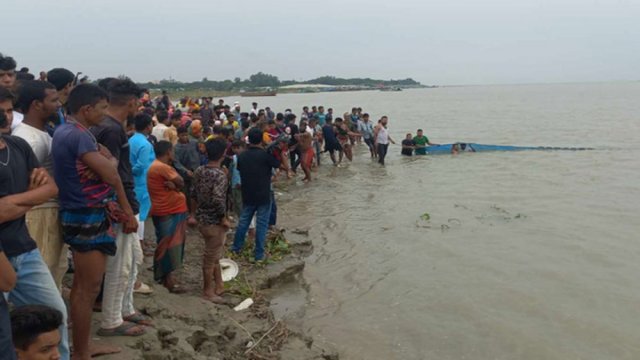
[(97, 348), (216, 299)]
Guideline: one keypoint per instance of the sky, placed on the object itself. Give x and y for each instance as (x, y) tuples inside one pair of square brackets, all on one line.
[(443, 42)]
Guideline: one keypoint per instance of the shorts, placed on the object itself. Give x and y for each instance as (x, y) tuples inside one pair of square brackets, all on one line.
[(331, 147), (88, 229)]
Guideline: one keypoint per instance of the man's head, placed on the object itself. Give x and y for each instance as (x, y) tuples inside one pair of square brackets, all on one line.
[(271, 124), (143, 123), (183, 135), (237, 146), (35, 332), (7, 99), (419, 132), (409, 136), (164, 151), (63, 80), (176, 118), (320, 109), (254, 105), (314, 109), (354, 110), (88, 102), (221, 102), (236, 106), (305, 108), (37, 99), (216, 148), (330, 110), (163, 116), (7, 71), (255, 136), (124, 94), (365, 117), (384, 120)]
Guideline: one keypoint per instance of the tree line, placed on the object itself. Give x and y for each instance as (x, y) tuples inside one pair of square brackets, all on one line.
[(262, 80)]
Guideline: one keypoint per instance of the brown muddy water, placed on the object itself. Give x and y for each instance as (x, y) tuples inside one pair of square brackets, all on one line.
[(527, 255)]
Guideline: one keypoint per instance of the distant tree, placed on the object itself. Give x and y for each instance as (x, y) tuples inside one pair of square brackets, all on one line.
[(264, 80)]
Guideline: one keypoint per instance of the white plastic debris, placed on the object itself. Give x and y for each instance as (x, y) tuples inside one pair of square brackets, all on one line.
[(245, 304)]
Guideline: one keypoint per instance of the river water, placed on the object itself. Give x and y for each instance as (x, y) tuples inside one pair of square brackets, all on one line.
[(526, 255)]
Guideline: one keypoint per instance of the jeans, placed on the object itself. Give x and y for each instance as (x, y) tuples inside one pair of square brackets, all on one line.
[(262, 225), (35, 286), (382, 152), (273, 215)]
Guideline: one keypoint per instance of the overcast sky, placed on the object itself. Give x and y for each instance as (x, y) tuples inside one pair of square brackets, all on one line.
[(432, 41)]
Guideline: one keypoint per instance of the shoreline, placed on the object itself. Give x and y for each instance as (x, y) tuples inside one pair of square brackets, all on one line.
[(189, 327)]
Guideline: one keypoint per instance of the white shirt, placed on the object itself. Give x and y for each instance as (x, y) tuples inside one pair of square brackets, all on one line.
[(158, 131), (17, 119), (383, 136), (40, 142), (310, 130)]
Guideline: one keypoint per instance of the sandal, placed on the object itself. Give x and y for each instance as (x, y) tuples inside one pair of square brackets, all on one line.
[(144, 289), (126, 329), (176, 289), (139, 319)]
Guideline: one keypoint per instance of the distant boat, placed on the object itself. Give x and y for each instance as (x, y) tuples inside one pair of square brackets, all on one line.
[(390, 89), (259, 93)]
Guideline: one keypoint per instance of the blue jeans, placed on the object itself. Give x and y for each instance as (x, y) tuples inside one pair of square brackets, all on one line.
[(35, 286), (262, 225), (273, 215)]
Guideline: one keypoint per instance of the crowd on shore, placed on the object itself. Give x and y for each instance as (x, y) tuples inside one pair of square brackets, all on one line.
[(83, 166)]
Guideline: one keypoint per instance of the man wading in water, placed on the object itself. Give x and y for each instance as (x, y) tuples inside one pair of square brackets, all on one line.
[(382, 139)]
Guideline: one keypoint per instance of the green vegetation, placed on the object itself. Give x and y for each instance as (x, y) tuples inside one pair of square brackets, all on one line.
[(262, 80)]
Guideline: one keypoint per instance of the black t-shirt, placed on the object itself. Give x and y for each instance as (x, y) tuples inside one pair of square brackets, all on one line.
[(407, 142), (14, 179), (7, 351), (294, 131), (112, 135), (255, 166)]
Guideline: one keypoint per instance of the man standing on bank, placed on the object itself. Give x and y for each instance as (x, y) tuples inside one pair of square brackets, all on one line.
[(256, 168)]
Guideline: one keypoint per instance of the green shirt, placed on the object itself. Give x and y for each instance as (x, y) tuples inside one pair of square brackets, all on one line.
[(421, 141)]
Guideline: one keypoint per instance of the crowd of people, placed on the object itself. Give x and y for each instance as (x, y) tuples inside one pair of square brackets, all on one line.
[(83, 166)]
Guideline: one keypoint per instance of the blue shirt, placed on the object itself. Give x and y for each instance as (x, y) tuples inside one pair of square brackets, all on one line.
[(78, 186), (235, 173), (141, 156), (322, 118)]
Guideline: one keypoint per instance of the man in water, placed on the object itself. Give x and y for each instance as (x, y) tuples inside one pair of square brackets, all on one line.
[(408, 146), (365, 127), (331, 144), (420, 141), (382, 139)]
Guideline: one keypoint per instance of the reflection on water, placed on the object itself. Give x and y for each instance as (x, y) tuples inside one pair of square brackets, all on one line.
[(529, 255)]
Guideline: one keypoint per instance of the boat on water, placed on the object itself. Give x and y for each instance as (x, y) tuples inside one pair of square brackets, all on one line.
[(472, 147), (259, 93), (390, 89)]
